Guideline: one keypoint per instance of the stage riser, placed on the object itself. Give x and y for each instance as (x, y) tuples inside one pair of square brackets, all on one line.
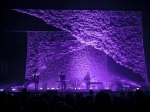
[(52, 93)]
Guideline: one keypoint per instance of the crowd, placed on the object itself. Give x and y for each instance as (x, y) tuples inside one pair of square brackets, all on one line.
[(137, 101)]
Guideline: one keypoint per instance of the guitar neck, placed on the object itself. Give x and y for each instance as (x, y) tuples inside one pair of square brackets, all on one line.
[(92, 77), (87, 80)]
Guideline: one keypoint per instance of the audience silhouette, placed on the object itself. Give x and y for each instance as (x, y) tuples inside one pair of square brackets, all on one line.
[(137, 101)]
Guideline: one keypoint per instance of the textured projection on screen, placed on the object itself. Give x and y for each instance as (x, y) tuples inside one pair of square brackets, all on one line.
[(51, 52), (117, 33)]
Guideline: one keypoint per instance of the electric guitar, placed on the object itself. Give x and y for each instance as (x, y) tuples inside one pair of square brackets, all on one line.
[(88, 80)]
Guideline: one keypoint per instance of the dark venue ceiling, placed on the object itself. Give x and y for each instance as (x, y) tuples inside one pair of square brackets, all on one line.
[(16, 24)]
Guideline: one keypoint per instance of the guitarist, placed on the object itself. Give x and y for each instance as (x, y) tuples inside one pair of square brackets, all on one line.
[(87, 79)]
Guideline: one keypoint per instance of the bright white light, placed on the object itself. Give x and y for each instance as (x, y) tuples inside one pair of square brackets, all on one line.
[(13, 89), (137, 88), (1, 89), (52, 88), (78, 88), (40, 88), (47, 88), (106, 87), (74, 88)]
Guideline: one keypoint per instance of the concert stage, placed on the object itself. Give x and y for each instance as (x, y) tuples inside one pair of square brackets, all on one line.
[(73, 91), (112, 55)]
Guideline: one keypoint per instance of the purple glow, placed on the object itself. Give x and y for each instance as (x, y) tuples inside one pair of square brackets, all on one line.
[(129, 82), (117, 33), (70, 56)]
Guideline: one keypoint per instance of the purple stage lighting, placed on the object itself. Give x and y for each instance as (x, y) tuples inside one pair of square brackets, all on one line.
[(53, 52), (117, 33)]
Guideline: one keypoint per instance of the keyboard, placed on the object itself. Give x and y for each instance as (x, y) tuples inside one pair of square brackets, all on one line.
[(96, 83), (63, 80)]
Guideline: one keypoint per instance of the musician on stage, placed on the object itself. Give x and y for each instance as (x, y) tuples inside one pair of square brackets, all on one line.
[(25, 83), (87, 79), (36, 80), (63, 82)]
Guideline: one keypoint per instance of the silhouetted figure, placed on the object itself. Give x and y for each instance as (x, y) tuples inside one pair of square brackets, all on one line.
[(91, 92), (25, 83), (63, 81), (103, 102), (123, 96), (139, 104), (90, 106), (59, 104), (3, 99), (17, 107), (87, 80), (39, 105), (36, 80), (65, 108), (24, 97), (70, 100), (118, 104)]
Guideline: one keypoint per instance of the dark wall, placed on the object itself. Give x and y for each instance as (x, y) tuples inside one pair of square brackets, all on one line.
[(13, 21), (13, 44), (13, 57), (78, 4), (146, 39)]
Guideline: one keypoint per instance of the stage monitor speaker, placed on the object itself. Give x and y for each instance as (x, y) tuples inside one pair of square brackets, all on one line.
[(51, 93), (108, 91)]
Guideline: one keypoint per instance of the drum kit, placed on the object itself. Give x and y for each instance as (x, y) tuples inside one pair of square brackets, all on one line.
[(119, 85)]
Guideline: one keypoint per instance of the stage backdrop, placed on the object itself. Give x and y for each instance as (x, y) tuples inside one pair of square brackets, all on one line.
[(117, 33), (53, 52)]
